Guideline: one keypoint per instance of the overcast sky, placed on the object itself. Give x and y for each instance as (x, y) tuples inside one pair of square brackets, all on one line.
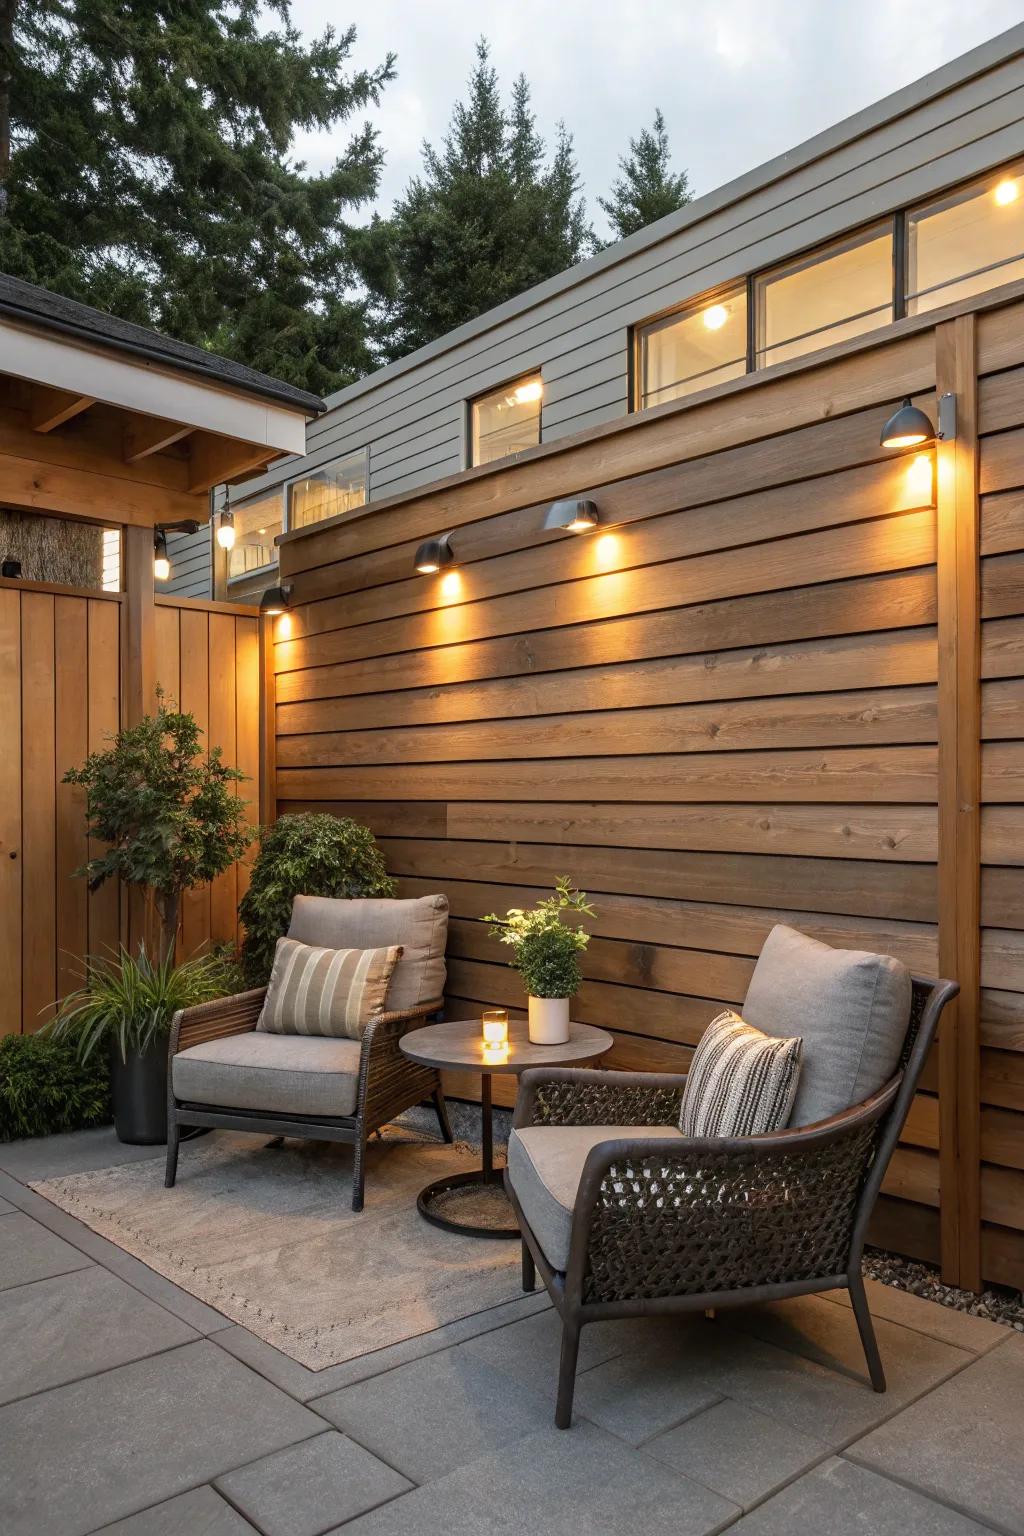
[(738, 80)]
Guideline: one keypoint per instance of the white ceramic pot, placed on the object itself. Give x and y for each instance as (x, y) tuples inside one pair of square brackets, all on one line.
[(549, 1020)]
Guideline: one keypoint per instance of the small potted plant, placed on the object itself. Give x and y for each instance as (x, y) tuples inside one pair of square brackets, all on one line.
[(546, 951)]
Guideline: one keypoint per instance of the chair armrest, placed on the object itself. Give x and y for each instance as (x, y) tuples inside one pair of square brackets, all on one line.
[(588, 1096), (709, 1215), (213, 1021), (406, 1016)]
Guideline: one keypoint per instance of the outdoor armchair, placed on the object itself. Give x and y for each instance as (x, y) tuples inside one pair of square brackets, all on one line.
[(223, 1073), (623, 1216)]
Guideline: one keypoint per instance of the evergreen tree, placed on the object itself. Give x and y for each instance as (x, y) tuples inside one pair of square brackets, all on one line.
[(488, 218), (144, 168), (647, 188)]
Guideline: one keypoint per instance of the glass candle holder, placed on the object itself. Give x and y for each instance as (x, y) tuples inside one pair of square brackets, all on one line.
[(495, 1029)]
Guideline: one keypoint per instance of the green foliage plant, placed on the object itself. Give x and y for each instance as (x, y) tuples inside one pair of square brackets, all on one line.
[(647, 189), (546, 948), (167, 812), (305, 855), (45, 1088), (127, 1002)]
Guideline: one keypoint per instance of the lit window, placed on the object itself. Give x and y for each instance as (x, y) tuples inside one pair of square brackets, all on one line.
[(110, 560), (257, 524), (507, 420), (682, 353), (825, 298), (966, 243), (328, 491)]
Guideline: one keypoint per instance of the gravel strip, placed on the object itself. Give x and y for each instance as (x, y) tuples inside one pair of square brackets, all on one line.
[(1002, 1306)]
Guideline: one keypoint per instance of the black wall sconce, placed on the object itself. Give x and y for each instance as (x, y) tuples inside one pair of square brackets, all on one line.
[(161, 559), (275, 601), (434, 555), (11, 569), (910, 427), (572, 516)]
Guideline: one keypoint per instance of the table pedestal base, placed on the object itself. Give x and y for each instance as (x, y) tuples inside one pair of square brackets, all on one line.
[(481, 1195)]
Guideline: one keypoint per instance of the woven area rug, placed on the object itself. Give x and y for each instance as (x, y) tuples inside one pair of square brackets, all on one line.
[(268, 1237)]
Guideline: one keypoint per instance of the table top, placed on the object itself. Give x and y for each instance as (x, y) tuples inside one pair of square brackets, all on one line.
[(459, 1043)]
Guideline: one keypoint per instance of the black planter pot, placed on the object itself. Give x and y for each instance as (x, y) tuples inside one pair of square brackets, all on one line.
[(139, 1091)]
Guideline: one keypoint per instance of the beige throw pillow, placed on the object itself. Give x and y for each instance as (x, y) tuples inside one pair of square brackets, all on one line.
[(333, 992), (741, 1082)]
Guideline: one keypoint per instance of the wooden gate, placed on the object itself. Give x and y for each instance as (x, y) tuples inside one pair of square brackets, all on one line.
[(60, 698)]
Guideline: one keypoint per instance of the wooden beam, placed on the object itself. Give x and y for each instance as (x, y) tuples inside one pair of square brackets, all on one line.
[(52, 407), (38, 486), (151, 435), (138, 687), (268, 723), (959, 867), (214, 460)]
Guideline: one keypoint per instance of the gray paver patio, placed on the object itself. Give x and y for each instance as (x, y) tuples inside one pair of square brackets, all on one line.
[(201, 1512), (962, 1443), (682, 1425), (838, 1498), (55, 1330), (311, 1486)]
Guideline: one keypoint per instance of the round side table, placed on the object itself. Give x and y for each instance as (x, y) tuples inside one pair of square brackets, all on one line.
[(457, 1045)]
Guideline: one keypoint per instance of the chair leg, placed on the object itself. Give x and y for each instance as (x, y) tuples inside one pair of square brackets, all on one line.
[(442, 1115), (359, 1176), (529, 1269), (862, 1313), (173, 1137), (567, 1374)]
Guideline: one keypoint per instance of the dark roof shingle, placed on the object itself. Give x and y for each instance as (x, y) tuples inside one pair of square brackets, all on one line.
[(24, 301)]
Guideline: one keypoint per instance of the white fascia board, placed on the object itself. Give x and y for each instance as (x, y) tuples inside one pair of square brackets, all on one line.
[(43, 358)]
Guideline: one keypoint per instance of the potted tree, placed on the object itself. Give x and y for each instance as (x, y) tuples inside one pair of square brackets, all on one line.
[(309, 854), (170, 819), (546, 952)]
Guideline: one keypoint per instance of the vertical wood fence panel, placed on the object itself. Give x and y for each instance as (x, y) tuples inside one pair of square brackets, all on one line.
[(721, 710), (61, 655)]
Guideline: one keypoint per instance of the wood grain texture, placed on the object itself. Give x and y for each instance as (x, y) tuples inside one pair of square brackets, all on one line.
[(38, 836)]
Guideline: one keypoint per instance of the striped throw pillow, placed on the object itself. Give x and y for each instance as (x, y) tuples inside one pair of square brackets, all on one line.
[(332, 992), (741, 1082)]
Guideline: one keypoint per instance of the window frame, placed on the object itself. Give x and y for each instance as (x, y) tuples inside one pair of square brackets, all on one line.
[(703, 300), (960, 192), (472, 401), (898, 221), (803, 262), (232, 584)]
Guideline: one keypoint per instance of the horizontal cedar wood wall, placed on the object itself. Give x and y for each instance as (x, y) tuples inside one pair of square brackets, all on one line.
[(716, 713)]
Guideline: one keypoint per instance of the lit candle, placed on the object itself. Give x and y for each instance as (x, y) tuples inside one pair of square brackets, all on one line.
[(495, 1025)]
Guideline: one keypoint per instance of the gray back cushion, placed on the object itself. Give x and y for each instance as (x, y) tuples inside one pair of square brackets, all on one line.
[(851, 1009), (419, 925)]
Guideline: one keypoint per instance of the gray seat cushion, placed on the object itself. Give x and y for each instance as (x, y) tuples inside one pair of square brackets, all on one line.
[(851, 1009), (545, 1163), (419, 925), (279, 1074)]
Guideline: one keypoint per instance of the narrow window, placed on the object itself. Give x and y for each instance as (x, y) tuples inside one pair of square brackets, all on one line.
[(507, 420), (965, 243), (257, 524), (825, 298), (328, 491), (704, 345)]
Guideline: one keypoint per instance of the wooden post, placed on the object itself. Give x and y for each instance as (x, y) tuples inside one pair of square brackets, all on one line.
[(268, 724), (138, 674), (959, 871)]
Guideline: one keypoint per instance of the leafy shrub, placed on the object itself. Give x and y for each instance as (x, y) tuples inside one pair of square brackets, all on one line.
[(129, 1001), (304, 855), (44, 1088), (546, 950)]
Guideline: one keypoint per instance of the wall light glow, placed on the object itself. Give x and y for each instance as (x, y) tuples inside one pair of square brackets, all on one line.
[(525, 394), (451, 585), (607, 550), (919, 479), (715, 317), (1006, 192), (283, 627)]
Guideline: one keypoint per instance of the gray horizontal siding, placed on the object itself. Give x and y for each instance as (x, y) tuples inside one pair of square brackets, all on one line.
[(576, 328), (191, 565)]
